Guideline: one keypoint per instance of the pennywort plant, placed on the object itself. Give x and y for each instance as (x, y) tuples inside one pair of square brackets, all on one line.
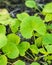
[(26, 27)]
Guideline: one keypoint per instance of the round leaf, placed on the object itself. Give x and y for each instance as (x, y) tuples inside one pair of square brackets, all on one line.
[(3, 60), (32, 23), (2, 29), (35, 63), (47, 8), (30, 4), (34, 49), (14, 25), (22, 16), (19, 62), (47, 39), (11, 50), (49, 48), (3, 40), (13, 38), (23, 47)]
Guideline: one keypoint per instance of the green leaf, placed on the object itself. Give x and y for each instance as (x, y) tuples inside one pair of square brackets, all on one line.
[(39, 26), (14, 25), (35, 63), (4, 17), (30, 4), (49, 26), (13, 38), (32, 23), (19, 62), (49, 57), (22, 16), (3, 40), (3, 60), (49, 48), (11, 50), (34, 49), (2, 29), (23, 47), (47, 39), (38, 41), (43, 51), (47, 8), (48, 17)]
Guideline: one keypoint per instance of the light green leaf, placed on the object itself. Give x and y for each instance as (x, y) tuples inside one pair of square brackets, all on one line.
[(43, 51), (14, 25), (3, 40), (3, 60), (32, 23), (2, 29), (13, 38), (30, 4), (19, 62), (34, 49), (4, 17), (48, 17), (49, 57), (22, 16), (38, 41), (11, 50), (35, 63), (47, 39), (49, 26), (47, 8), (23, 47), (49, 48), (39, 26)]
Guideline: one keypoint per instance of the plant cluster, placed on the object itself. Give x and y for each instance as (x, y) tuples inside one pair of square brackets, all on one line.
[(27, 27)]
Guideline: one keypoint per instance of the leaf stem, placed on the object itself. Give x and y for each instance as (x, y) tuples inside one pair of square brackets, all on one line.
[(30, 55), (28, 58)]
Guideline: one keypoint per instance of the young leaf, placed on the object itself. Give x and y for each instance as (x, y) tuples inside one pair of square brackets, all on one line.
[(22, 16), (4, 17), (35, 63), (3, 40), (2, 29), (49, 48), (48, 17), (13, 38), (19, 62), (11, 50), (49, 57), (39, 26), (23, 47), (38, 41), (14, 25), (34, 49), (49, 26), (47, 39), (47, 8), (43, 51), (30, 4), (3, 60), (32, 23)]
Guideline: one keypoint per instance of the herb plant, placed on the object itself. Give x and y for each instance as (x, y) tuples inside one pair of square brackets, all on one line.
[(14, 39)]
